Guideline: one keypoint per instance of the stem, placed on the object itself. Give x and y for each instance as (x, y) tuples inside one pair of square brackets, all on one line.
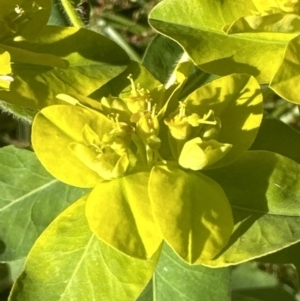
[(116, 37), (123, 21), (72, 14)]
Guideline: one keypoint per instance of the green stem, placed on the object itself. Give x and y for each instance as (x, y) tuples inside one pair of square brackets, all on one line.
[(123, 21), (72, 14), (116, 37)]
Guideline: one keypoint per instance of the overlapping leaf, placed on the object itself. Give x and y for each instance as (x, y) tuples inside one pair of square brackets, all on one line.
[(197, 27), (263, 189), (199, 281), (287, 77), (192, 212), (161, 57), (54, 129), (235, 99), (278, 137), (30, 199), (119, 212), (93, 59), (68, 262)]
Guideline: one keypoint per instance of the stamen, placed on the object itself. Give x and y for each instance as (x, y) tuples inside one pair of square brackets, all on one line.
[(133, 88), (153, 111), (182, 107), (118, 123), (206, 116)]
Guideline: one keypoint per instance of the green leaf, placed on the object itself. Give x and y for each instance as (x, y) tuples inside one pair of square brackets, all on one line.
[(22, 113), (161, 56), (119, 212), (58, 16), (278, 137), (263, 189), (192, 211), (176, 280), (54, 130), (197, 27), (30, 199), (287, 77), (277, 21), (121, 86), (237, 101), (68, 262), (19, 55), (92, 63)]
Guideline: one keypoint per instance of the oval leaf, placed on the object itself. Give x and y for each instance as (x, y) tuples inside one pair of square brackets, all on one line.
[(287, 77), (192, 211), (264, 192), (119, 212), (237, 101), (68, 262), (198, 30), (30, 199), (176, 280), (92, 63), (54, 129)]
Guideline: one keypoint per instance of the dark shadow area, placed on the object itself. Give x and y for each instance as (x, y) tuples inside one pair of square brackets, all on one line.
[(246, 183), (229, 65), (278, 137), (2, 246), (115, 86), (5, 281), (263, 294)]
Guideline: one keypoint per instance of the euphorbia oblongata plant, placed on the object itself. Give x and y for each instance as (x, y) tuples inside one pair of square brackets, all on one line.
[(143, 172)]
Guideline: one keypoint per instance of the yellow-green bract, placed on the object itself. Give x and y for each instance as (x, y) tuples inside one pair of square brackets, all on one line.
[(141, 197)]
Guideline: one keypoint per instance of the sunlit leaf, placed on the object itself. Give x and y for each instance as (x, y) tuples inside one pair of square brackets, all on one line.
[(119, 212), (237, 101), (19, 55), (273, 21), (93, 58), (30, 199), (192, 211), (263, 190), (68, 262), (54, 129), (287, 77), (197, 27), (121, 85)]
